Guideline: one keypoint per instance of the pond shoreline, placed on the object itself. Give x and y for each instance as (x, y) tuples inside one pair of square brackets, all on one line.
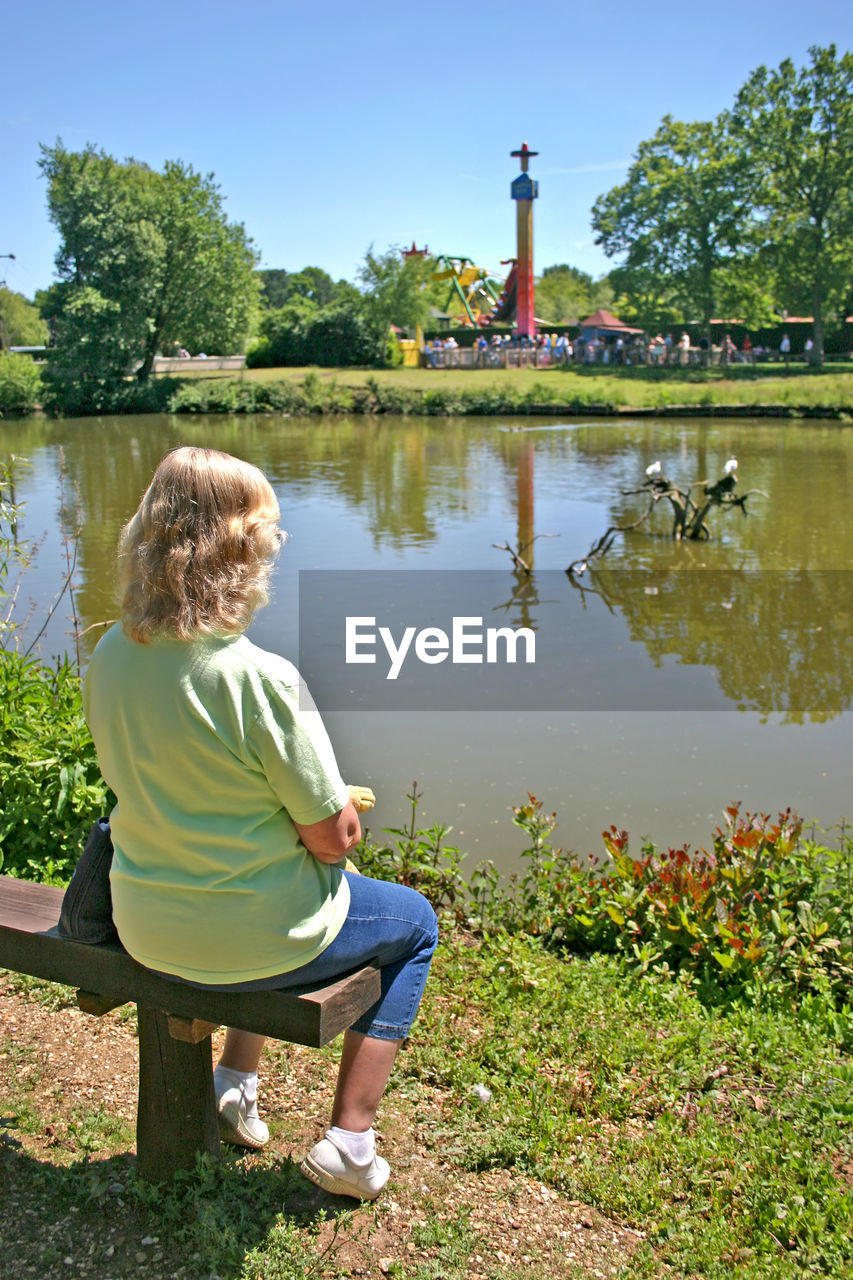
[(825, 413), (828, 413), (409, 392)]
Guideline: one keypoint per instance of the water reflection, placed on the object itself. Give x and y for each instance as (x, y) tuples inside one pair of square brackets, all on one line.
[(753, 621), (776, 641)]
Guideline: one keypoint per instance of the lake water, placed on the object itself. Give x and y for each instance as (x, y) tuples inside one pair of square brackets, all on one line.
[(691, 674)]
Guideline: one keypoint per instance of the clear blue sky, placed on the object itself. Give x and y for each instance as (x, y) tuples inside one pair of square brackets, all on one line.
[(335, 125)]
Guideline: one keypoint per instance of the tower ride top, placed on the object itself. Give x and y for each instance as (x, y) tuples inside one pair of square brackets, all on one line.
[(470, 286), (524, 191)]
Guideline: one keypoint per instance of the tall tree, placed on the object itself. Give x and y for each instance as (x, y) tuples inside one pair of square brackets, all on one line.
[(146, 261), (681, 217), (796, 129), (395, 290)]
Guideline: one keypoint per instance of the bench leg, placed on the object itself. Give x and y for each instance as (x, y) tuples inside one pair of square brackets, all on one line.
[(176, 1117)]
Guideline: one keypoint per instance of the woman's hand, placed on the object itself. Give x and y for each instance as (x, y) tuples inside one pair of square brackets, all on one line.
[(332, 839), (362, 798)]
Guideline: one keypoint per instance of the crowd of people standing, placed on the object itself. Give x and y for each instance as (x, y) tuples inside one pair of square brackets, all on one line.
[(602, 348)]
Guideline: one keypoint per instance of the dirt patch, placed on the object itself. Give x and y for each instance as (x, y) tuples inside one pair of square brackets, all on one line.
[(61, 1067)]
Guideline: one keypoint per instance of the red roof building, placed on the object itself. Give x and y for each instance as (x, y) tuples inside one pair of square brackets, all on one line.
[(603, 322)]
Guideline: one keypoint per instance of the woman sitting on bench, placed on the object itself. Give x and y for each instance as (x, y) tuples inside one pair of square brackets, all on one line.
[(233, 824)]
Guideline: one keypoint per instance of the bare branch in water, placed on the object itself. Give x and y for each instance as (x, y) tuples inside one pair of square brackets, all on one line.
[(689, 519), (517, 553)]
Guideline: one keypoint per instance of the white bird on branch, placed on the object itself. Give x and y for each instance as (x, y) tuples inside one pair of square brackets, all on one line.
[(730, 467), (655, 469)]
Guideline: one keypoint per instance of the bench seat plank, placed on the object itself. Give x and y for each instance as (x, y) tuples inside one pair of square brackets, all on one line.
[(29, 943)]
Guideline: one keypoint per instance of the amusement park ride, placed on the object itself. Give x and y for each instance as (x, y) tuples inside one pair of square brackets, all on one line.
[(470, 286), (482, 299)]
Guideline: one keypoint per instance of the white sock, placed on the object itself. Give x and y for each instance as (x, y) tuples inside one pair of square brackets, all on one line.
[(361, 1146), (225, 1078)]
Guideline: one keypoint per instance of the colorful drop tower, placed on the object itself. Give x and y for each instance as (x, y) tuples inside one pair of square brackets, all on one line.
[(524, 191)]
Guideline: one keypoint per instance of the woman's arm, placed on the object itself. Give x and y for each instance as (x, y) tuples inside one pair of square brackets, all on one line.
[(332, 839)]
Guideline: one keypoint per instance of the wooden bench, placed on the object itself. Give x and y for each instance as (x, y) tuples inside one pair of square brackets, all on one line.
[(176, 1115)]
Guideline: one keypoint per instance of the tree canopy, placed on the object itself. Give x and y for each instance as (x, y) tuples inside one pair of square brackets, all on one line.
[(681, 218), (750, 214), (796, 134), (395, 290), (279, 287), (565, 294), (147, 261)]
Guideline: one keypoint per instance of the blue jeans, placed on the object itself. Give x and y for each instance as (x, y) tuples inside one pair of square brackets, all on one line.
[(388, 923)]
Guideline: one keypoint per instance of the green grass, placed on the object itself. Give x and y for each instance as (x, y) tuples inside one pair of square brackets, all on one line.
[(717, 1135)]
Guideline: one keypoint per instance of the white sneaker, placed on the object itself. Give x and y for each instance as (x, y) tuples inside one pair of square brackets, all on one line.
[(331, 1167), (239, 1122)]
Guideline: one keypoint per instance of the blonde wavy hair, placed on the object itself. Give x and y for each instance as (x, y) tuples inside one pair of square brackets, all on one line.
[(196, 558)]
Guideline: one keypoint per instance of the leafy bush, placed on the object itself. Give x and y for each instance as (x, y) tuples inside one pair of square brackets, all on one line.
[(765, 912), (420, 859), (20, 385), (387, 397), (67, 394), (50, 787), (300, 333), (240, 396)]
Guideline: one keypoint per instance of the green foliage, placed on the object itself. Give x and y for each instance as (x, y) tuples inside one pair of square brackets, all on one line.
[(341, 334), (147, 261), (764, 913), (312, 283), (641, 303), (310, 320), (796, 127), (50, 787), (282, 335), (765, 916), (680, 218), (747, 215), (566, 294), (223, 395), (418, 858), (20, 385), (103, 396), (301, 333), (396, 290), (20, 322)]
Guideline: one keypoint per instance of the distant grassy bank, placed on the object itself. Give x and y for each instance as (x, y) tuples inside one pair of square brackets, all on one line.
[(762, 390), (769, 389)]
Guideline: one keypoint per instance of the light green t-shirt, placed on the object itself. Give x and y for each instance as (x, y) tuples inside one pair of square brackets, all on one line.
[(213, 759)]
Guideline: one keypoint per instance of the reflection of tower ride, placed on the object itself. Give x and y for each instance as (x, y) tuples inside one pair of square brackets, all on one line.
[(524, 500), (522, 607)]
